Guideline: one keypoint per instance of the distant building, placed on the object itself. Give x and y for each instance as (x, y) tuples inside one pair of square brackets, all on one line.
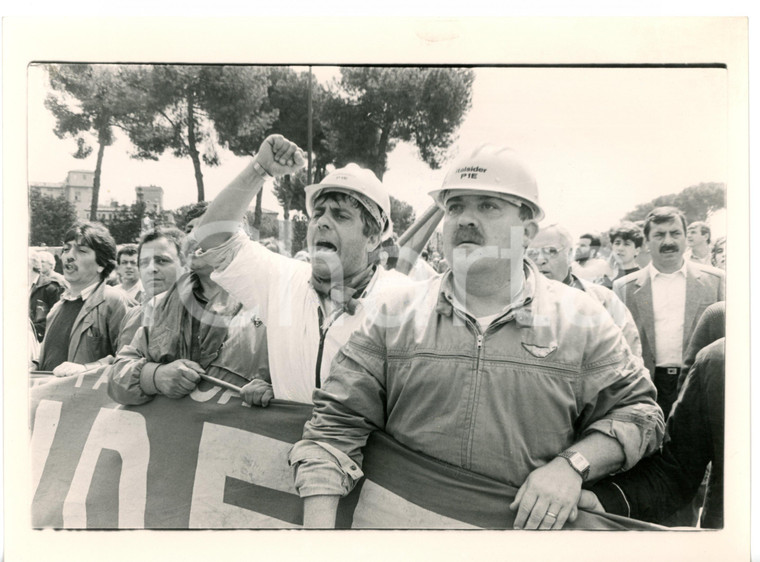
[(152, 195), (77, 189)]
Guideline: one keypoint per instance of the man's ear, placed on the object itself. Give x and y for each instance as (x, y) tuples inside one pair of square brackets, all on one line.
[(530, 229), (373, 242)]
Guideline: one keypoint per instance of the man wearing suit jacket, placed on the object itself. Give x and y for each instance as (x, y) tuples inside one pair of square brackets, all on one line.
[(666, 299)]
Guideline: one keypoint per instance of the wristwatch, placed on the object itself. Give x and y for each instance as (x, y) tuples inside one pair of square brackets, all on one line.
[(578, 462)]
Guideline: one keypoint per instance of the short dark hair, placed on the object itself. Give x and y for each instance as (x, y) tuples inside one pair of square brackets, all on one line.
[(627, 231), (370, 224), (126, 250), (96, 237), (173, 235), (703, 229), (596, 242), (659, 215)]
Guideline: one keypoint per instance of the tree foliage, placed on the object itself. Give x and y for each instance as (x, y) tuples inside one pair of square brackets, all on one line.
[(374, 108), (289, 191), (696, 202), (402, 215), (50, 218), (88, 101), (189, 109), (180, 215), (288, 92), (126, 224)]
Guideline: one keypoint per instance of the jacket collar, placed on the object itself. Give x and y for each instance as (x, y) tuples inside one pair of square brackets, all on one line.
[(84, 294), (654, 272)]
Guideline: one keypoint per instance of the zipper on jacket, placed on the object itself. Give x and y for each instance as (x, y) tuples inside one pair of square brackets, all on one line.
[(470, 414), (476, 391), (322, 333)]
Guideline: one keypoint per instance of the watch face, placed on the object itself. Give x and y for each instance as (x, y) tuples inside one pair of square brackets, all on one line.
[(580, 462)]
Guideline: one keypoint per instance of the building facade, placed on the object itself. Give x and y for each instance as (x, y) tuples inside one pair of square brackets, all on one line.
[(77, 189)]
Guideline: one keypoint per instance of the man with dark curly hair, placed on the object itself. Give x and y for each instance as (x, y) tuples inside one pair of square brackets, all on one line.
[(83, 327)]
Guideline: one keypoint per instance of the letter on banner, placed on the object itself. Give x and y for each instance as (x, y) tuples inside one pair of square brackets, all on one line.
[(227, 451), (45, 424), (124, 432)]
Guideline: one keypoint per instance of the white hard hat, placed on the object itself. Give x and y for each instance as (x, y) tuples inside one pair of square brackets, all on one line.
[(361, 184), (493, 169)]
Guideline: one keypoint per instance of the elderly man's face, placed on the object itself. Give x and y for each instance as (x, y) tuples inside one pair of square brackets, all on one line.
[(336, 239), (481, 232), (80, 267), (550, 254), (46, 264)]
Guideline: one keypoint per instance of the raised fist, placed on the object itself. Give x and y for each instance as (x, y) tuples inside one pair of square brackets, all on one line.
[(278, 156)]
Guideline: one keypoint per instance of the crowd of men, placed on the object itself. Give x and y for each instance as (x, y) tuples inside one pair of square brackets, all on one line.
[(517, 354)]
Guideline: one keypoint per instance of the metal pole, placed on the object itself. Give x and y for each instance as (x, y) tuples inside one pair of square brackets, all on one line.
[(309, 134)]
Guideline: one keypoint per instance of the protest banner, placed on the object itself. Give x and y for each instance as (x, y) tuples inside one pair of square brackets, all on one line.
[(208, 461)]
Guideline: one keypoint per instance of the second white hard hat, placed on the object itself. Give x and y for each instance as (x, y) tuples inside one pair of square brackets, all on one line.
[(352, 180)]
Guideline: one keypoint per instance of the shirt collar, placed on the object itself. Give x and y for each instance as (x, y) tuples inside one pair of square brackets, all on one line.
[(654, 272), (68, 295), (35, 278), (447, 301)]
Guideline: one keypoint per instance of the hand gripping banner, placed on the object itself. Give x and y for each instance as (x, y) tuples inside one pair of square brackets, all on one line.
[(208, 461)]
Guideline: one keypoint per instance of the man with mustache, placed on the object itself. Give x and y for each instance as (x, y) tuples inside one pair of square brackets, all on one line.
[(310, 309), (486, 369), (83, 327), (666, 299)]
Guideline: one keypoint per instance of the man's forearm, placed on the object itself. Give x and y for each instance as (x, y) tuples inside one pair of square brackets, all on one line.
[(319, 512), (604, 454), (229, 207)]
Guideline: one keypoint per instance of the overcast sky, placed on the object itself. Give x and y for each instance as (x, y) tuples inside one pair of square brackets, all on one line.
[(600, 141)]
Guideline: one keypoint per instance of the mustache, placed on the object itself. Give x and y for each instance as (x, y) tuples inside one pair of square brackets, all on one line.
[(468, 234), (668, 248)]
